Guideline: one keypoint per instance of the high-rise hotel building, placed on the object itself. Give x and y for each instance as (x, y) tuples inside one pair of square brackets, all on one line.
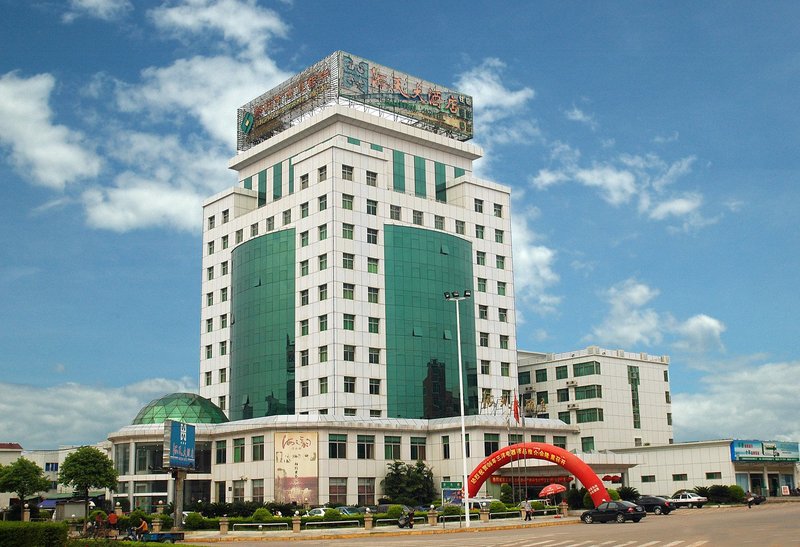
[(324, 269)]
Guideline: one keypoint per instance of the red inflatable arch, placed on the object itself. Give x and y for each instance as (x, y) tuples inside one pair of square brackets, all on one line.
[(539, 451)]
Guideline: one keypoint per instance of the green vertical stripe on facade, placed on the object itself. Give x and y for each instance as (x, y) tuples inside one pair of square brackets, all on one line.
[(262, 188), (441, 181), (291, 177), (421, 354), (398, 171), (419, 177), (248, 183), (277, 181), (262, 365)]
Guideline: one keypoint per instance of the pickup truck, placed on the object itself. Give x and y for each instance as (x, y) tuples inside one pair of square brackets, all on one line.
[(688, 499)]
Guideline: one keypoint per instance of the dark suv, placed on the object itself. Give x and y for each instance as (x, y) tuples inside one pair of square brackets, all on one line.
[(655, 504)]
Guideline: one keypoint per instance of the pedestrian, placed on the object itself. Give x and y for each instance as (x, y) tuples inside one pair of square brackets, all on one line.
[(112, 520), (528, 509), (749, 496)]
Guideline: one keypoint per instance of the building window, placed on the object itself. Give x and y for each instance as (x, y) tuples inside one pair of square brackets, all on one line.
[(366, 491), (586, 369), (322, 173), (666, 376), (349, 321), (587, 415), (372, 207), (564, 416), (347, 202), (223, 349), (648, 478), (323, 291), (480, 258), (502, 315), (560, 441), (323, 232), (209, 352), (323, 202), (304, 297), (347, 172), (210, 273), (304, 388), (484, 339), (394, 212), (543, 397), (347, 231), (323, 385), (479, 231), (323, 354), (208, 378), (562, 395), (349, 411), (668, 397), (445, 447), (491, 443), (374, 325), (498, 236), (211, 247), (258, 491), (500, 262), (238, 450), (323, 322), (304, 358), (478, 205), (524, 377), (541, 375), (304, 181), (561, 372), (498, 210), (253, 230), (347, 260), (224, 266), (481, 284), (713, 475), (323, 261), (483, 311), (501, 288), (503, 341), (460, 227), (209, 325), (224, 242), (337, 446), (485, 366), (374, 386), (505, 368), (304, 327), (211, 222), (365, 448), (221, 452), (680, 477), (372, 295), (287, 217), (239, 236), (304, 239), (349, 384), (374, 356), (669, 418), (418, 448), (372, 236), (270, 224), (391, 447), (304, 267), (223, 294), (417, 218), (587, 444), (337, 491), (349, 353), (372, 265), (372, 178), (588, 392)]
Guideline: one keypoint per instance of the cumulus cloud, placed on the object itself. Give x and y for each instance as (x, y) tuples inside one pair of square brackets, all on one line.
[(534, 273), (81, 414), (616, 186), (107, 10), (578, 115), (26, 121), (700, 333), (678, 207), (708, 415)]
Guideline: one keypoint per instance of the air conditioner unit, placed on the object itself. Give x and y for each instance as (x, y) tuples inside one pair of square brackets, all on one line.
[(529, 388), (572, 383), (572, 406)]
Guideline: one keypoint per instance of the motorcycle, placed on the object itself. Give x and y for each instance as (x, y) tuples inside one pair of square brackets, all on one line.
[(406, 520)]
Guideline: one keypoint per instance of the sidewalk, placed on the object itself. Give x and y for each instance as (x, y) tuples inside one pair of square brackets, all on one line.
[(310, 534)]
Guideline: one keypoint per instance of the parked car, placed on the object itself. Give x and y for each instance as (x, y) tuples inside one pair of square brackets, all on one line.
[(316, 512), (617, 511), (655, 504), (688, 499), (351, 510)]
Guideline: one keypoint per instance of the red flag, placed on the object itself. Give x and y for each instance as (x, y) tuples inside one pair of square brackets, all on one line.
[(516, 407)]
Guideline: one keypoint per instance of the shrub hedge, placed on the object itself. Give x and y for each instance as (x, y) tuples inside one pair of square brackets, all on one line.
[(33, 534)]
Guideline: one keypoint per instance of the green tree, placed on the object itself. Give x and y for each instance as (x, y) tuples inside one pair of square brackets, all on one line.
[(88, 468), (409, 484), (24, 478), (506, 494)]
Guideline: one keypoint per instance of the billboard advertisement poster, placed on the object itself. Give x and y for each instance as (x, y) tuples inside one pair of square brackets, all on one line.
[(178, 445), (764, 451), (452, 493), (296, 467)]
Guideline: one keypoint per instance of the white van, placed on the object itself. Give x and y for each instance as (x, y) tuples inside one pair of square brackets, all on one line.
[(475, 504)]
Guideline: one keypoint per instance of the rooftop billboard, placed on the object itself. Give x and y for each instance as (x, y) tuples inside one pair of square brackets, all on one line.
[(344, 78), (760, 451)]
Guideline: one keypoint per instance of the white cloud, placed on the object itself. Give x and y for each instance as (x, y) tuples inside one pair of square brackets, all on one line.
[(732, 407), (700, 334), (677, 207), (578, 115), (533, 270), (663, 139), (546, 177), (107, 10), (616, 186), (26, 122), (76, 414)]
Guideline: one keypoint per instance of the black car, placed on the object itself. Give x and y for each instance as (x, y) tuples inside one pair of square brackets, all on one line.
[(655, 504), (617, 511)]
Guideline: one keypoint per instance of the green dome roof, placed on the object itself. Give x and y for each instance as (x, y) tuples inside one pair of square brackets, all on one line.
[(181, 407)]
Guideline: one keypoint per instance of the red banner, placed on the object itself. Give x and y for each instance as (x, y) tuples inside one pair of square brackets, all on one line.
[(530, 481)]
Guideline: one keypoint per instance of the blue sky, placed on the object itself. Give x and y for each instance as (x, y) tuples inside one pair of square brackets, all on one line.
[(651, 148)]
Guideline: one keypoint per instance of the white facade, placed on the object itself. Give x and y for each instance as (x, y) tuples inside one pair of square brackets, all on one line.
[(618, 399)]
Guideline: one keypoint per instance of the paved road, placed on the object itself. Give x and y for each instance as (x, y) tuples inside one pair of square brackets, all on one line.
[(770, 525)]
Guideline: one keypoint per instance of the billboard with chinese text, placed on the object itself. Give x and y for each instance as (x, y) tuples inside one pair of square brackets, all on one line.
[(296, 467), (179, 449), (760, 451)]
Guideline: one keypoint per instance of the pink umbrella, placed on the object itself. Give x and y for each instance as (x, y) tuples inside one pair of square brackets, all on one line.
[(552, 489)]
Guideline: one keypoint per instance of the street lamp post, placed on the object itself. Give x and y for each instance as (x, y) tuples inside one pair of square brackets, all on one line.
[(456, 297)]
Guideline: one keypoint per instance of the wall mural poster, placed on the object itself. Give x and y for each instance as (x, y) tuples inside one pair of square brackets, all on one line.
[(296, 468)]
